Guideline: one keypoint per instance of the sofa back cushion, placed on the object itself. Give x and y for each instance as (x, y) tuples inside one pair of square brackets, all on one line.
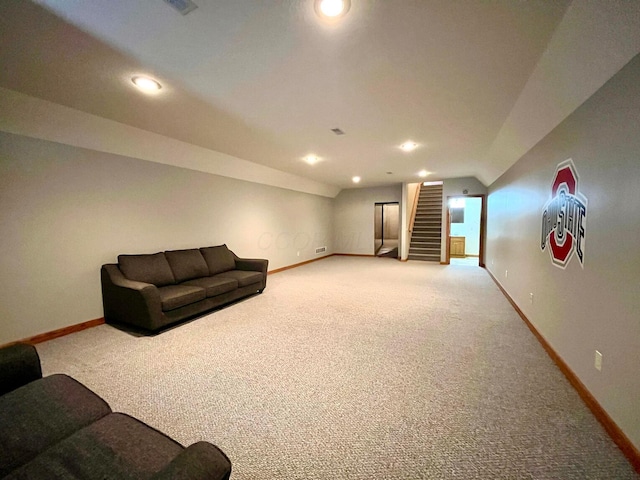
[(219, 259), (187, 264), (147, 268)]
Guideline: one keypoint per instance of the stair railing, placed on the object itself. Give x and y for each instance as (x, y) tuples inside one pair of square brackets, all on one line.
[(414, 210)]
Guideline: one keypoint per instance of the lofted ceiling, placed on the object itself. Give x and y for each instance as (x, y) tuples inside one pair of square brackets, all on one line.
[(267, 80)]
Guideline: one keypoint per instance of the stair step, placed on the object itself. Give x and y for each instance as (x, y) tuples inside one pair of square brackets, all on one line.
[(424, 258), (425, 251), (427, 227)]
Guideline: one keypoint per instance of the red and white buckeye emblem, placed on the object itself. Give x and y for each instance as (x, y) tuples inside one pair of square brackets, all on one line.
[(564, 217)]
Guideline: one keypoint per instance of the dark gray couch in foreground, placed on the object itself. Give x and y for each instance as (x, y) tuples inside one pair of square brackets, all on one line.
[(56, 428), (157, 290)]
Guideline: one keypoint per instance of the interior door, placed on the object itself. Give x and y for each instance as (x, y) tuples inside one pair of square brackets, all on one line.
[(465, 229), (386, 229)]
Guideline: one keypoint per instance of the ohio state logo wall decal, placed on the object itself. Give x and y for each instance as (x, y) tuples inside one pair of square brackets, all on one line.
[(564, 217)]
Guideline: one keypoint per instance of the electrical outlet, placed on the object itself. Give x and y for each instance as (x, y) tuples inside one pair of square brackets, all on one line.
[(493, 262), (598, 362), (531, 298), (298, 253), (506, 273)]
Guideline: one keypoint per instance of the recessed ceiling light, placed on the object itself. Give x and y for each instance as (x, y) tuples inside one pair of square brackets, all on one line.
[(311, 159), (146, 84), (332, 8), (356, 179), (423, 173), (408, 146)]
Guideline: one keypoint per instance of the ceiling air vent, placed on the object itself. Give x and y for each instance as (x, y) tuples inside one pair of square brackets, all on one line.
[(321, 249), (337, 131), (183, 6)]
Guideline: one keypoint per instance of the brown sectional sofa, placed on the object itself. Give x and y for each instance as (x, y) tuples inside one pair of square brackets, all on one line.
[(156, 290)]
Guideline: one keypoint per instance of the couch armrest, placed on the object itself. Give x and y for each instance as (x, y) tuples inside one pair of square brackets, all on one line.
[(254, 265), (19, 365), (200, 461), (128, 301)]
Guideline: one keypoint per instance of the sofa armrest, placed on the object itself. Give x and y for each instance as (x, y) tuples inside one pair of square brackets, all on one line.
[(200, 461), (128, 301), (19, 365), (252, 264)]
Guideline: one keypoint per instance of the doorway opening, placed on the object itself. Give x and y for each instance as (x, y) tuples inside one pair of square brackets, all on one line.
[(465, 230), (387, 229)]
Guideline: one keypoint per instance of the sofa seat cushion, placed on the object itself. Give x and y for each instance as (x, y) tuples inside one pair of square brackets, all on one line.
[(147, 268), (41, 414), (176, 296), (243, 277), (187, 264), (219, 259), (216, 285), (116, 446)]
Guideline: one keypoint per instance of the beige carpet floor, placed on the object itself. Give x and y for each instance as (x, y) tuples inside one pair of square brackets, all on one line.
[(355, 368)]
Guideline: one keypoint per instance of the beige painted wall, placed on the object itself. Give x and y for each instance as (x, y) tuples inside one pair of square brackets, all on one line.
[(66, 210), (580, 310), (353, 217)]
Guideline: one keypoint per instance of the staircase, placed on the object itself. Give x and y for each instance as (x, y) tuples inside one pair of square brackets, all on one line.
[(427, 227)]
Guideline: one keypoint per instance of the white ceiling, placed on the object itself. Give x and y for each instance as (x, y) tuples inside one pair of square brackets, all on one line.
[(266, 81)]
